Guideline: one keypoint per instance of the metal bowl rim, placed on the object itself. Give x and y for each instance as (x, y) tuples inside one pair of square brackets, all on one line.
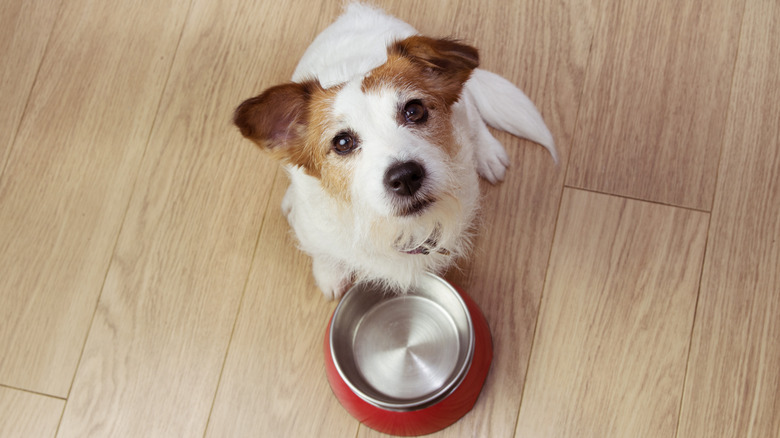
[(434, 397)]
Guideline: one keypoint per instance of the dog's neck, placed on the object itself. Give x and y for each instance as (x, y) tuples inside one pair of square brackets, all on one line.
[(425, 248)]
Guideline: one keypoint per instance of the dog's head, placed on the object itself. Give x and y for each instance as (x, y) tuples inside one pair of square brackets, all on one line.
[(383, 140), (382, 145)]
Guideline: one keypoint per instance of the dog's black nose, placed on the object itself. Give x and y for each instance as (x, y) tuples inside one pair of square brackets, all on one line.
[(404, 179)]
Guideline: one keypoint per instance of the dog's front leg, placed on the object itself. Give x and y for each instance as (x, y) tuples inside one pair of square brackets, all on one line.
[(490, 156), (492, 159), (331, 276)]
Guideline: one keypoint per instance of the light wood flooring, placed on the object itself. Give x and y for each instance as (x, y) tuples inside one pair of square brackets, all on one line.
[(149, 286)]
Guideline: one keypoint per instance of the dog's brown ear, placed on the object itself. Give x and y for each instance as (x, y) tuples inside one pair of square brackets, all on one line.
[(446, 61), (276, 119)]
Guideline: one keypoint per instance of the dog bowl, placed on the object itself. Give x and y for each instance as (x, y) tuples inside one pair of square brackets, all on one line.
[(407, 364)]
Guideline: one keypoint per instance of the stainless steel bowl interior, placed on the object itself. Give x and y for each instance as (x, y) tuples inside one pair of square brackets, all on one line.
[(402, 351)]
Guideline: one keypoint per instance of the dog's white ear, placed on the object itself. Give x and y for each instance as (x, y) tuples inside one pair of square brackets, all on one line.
[(276, 119), (448, 63)]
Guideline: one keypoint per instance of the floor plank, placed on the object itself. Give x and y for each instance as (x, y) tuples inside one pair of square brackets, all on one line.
[(611, 346), (157, 348), (69, 176), (25, 27), (733, 384), (23, 414), (656, 97), (155, 352)]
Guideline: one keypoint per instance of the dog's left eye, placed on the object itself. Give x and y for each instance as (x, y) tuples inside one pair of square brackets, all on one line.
[(344, 143), (415, 112)]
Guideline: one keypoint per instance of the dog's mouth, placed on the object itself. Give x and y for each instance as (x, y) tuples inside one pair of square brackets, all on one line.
[(415, 207)]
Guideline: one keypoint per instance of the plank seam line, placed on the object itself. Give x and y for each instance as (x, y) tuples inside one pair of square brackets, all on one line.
[(569, 153), (22, 117), (709, 226), (29, 391)]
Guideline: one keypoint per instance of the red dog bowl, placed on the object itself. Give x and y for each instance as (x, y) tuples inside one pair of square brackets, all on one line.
[(409, 364)]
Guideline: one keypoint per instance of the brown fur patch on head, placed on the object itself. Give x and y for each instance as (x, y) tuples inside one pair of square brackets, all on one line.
[(432, 71), (404, 77), (443, 64), (273, 119), (278, 121), (333, 170), (293, 122)]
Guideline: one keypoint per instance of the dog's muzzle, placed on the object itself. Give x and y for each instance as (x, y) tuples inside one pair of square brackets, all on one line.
[(404, 180)]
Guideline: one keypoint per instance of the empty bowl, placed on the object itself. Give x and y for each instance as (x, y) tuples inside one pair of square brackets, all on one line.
[(407, 364)]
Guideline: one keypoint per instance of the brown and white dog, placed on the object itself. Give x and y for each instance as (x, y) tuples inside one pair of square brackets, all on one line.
[(383, 133)]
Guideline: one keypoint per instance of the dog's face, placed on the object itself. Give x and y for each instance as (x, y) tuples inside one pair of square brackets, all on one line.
[(384, 141)]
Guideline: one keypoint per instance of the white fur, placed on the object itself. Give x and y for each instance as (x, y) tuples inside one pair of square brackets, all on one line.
[(362, 239), (505, 107)]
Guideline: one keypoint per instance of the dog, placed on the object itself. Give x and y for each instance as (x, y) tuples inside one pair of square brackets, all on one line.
[(384, 134)]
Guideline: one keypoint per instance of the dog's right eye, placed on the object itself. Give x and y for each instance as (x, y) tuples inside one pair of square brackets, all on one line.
[(344, 143), (415, 112)]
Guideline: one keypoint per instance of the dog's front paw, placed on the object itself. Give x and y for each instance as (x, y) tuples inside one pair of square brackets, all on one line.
[(332, 278), (492, 159)]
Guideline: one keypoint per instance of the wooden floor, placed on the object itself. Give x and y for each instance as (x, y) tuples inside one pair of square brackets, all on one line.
[(149, 286)]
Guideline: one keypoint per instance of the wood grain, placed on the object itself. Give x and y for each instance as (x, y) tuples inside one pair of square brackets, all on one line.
[(28, 415), (155, 352), (69, 176), (612, 341), (274, 380), (656, 97), (25, 27), (733, 384)]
